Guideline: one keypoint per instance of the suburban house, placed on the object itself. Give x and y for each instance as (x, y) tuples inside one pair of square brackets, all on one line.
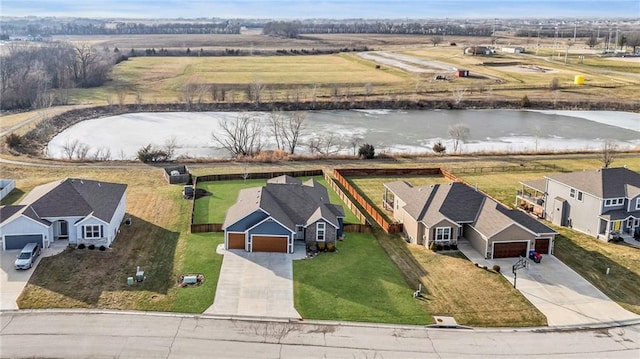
[(271, 218), (77, 210), (444, 213), (602, 203)]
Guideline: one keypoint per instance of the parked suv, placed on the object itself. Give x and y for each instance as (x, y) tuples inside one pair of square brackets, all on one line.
[(27, 256)]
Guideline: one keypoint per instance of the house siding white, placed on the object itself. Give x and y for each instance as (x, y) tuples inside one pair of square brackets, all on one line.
[(22, 225), (73, 237), (583, 214)]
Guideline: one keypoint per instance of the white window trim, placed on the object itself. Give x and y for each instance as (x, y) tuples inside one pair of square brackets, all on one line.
[(446, 234), (91, 229), (323, 230), (572, 192), (637, 204), (613, 202)]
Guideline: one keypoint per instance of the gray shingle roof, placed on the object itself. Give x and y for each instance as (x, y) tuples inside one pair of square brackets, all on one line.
[(288, 201), (619, 214), (80, 197), (602, 183), (540, 184), (7, 212)]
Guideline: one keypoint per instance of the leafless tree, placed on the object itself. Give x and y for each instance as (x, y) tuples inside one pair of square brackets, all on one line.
[(122, 97), (293, 127), (86, 57), (355, 142), (170, 146), (242, 137), (69, 148), (139, 98), (609, 149), (102, 154), (82, 151), (458, 94), (255, 90), (459, 133), (436, 40), (325, 145), (368, 89), (275, 119)]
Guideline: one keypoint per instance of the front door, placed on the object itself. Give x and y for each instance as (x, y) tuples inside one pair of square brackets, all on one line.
[(299, 232), (62, 229)]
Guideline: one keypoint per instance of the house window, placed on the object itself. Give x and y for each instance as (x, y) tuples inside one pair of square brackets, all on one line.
[(94, 231), (620, 201), (320, 229), (607, 203), (579, 196), (613, 202), (443, 234), (637, 204), (572, 193)]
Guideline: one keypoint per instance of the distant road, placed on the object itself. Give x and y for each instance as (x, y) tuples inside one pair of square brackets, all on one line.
[(82, 334)]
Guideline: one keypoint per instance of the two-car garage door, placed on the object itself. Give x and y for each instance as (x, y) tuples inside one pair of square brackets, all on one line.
[(509, 249), (278, 244), (19, 241)]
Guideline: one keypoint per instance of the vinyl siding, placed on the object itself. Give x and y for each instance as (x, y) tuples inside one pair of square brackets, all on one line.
[(583, 214), (512, 233), (476, 240), (23, 225), (247, 222)]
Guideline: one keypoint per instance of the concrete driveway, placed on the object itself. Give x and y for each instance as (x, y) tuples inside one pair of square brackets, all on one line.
[(255, 284), (12, 281), (562, 295)]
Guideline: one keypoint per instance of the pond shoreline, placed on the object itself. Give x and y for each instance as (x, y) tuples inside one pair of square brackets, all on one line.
[(36, 140)]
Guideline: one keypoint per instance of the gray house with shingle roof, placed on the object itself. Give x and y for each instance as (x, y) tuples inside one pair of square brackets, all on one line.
[(271, 218), (444, 213), (601, 203), (77, 210)]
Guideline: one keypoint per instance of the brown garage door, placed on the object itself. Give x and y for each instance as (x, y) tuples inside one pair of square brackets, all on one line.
[(269, 244), (509, 249), (236, 240), (542, 245)]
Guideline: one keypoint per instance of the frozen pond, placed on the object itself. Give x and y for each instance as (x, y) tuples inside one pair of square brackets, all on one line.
[(410, 131)]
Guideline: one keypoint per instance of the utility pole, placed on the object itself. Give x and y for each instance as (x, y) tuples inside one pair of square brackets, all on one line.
[(616, 44)]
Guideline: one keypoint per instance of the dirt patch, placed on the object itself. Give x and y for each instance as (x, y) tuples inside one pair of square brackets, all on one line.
[(527, 68)]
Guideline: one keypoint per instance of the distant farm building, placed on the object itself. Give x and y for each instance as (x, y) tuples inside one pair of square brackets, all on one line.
[(478, 50), (513, 50), (461, 73)]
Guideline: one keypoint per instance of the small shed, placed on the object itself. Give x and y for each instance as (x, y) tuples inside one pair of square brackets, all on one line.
[(462, 73), (177, 174)]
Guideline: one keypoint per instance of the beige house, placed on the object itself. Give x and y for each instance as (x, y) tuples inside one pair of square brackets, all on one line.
[(445, 213)]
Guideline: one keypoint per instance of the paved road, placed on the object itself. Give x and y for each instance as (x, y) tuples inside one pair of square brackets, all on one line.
[(156, 335)]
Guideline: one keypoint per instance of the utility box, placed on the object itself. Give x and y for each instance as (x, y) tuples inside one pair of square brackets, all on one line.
[(190, 279), (129, 280), (139, 275)]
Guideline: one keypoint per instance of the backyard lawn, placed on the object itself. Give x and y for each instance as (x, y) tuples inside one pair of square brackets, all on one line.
[(357, 283), (213, 208)]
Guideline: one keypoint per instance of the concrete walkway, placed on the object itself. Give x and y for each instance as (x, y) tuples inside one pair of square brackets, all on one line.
[(255, 284), (561, 294), (13, 281)]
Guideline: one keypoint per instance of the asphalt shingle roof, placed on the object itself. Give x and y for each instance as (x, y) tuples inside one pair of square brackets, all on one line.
[(602, 183), (7, 212)]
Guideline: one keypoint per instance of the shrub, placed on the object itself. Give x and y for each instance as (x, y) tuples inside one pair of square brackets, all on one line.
[(524, 102), (13, 140), (366, 151), (433, 246), (555, 84), (321, 246), (439, 148), (331, 247), (102, 248), (454, 247), (484, 267), (81, 246), (496, 268), (439, 247), (92, 247), (447, 247)]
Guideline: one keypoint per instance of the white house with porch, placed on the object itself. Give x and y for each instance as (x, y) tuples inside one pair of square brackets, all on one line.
[(77, 210)]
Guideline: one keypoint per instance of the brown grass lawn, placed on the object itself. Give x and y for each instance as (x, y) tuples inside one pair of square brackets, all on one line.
[(455, 287)]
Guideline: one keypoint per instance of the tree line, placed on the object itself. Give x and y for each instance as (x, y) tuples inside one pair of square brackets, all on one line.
[(293, 29), (121, 28), (28, 73)]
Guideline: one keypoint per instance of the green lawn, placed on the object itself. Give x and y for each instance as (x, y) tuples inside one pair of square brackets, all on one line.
[(357, 283), (213, 208), (200, 258)]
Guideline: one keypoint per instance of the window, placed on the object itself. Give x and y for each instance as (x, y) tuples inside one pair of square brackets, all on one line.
[(92, 231), (320, 229), (613, 202), (620, 200), (607, 203), (637, 204), (579, 195), (572, 193), (443, 234)]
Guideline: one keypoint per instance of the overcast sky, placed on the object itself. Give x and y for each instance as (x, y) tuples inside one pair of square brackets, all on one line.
[(304, 9)]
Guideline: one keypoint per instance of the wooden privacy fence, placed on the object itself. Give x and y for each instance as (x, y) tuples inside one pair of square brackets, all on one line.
[(206, 227), (346, 199)]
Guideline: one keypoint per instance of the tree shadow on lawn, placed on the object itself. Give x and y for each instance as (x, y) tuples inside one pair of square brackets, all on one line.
[(84, 275)]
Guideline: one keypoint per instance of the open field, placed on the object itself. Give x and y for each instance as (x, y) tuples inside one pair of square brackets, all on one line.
[(213, 208), (314, 77), (356, 283)]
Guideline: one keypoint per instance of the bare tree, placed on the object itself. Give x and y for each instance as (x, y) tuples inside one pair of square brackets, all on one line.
[(325, 145), (255, 90), (242, 137), (458, 94), (139, 98), (368, 89), (292, 129), (275, 119), (355, 141), (609, 149), (69, 148), (102, 154), (170, 146), (82, 151), (459, 134), (122, 97), (436, 40)]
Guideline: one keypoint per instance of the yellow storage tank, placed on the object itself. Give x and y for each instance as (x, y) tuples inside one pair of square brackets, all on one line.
[(578, 80)]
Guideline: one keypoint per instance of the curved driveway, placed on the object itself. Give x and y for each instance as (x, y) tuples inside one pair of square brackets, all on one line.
[(69, 334)]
